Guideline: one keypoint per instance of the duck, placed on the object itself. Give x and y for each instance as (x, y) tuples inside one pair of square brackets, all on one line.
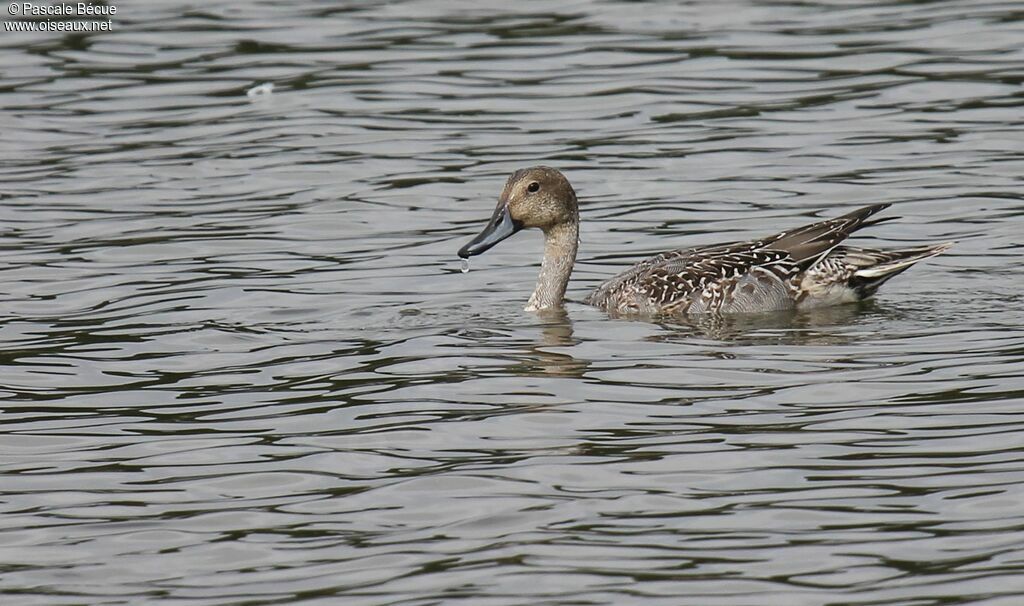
[(802, 268)]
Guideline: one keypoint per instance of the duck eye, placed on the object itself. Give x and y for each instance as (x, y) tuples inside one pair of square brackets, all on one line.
[(533, 187)]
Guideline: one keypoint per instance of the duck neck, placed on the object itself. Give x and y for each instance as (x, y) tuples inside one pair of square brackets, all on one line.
[(560, 244)]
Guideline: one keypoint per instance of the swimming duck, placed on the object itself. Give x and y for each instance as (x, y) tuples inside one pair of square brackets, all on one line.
[(797, 269)]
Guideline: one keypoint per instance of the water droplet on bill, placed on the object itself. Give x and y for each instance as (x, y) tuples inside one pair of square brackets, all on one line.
[(465, 266)]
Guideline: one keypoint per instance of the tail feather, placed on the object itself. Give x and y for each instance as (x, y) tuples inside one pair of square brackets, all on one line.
[(849, 274), (872, 268), (876, 263)]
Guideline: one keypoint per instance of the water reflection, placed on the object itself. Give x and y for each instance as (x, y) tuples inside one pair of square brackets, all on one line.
[(819, 326), (555, 332)]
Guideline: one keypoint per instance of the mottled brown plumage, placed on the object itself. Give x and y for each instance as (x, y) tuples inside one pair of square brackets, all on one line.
[(800, 268)]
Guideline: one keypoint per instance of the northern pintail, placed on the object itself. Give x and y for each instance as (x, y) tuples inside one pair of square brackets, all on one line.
[(796, 269)]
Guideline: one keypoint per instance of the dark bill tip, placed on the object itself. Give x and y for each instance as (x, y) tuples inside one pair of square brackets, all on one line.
[(501, 226)]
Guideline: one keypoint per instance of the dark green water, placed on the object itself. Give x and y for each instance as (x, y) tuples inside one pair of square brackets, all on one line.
[(239, 363)]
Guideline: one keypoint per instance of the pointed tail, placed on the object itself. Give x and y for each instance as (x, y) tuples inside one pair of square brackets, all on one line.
[(875, 267)]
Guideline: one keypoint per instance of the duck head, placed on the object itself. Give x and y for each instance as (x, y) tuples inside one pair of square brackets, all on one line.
[(538, 197)]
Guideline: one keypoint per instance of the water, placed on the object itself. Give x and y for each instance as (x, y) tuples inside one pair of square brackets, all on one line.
[(241, 366)]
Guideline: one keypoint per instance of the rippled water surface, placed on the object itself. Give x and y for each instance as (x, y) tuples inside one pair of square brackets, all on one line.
[(240, 364)]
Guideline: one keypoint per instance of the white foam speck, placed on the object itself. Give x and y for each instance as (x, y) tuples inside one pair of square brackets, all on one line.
[(260, 90)]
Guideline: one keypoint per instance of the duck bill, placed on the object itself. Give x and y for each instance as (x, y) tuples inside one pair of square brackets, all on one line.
[(501, 226)]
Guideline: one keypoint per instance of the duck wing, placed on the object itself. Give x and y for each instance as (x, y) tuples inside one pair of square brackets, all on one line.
[(808, 244), (753, 276)]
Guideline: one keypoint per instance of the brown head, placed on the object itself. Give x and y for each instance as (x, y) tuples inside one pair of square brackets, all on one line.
[(538, 197)]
